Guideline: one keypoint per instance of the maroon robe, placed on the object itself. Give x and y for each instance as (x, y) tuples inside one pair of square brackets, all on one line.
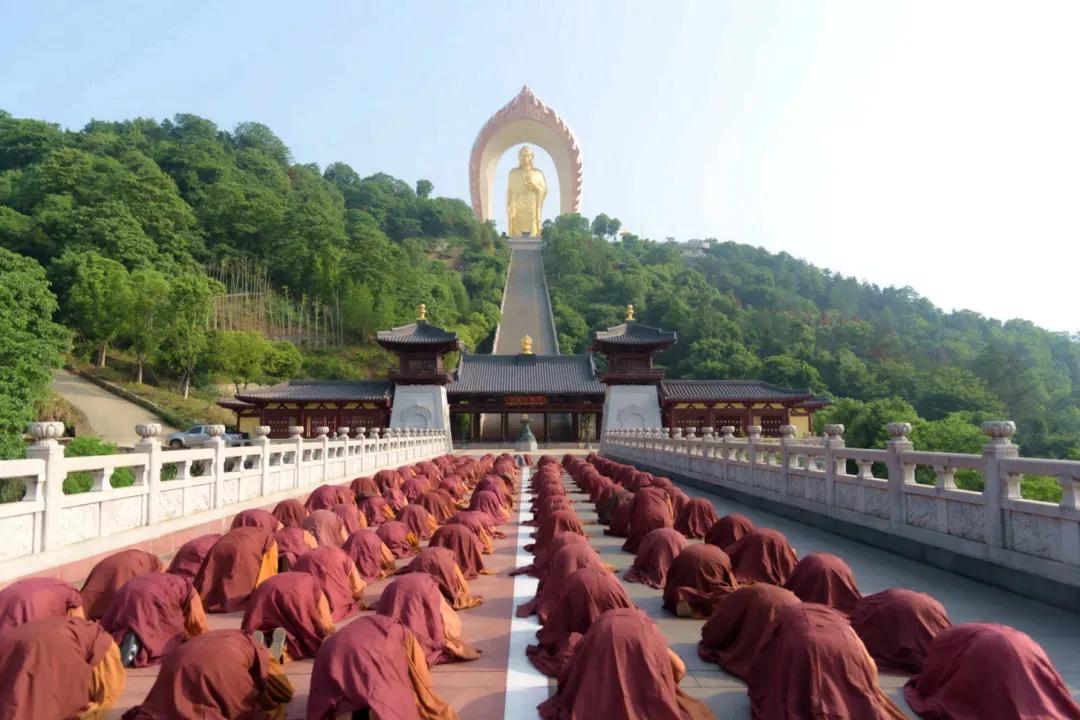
[(562, 565), (977, 671), (584, 596), (364, 548), (466, 547), (826, 579), (256, 517), (621, 669), (699, 577), (389, 478), (330, 566), (558, 522), (739, 624), (728, 530), (540, 564), (696, 518), (438, 503), (415, 487), (45, 667), (654, 557), (440, 564), (476, 521), (897, 626), (291, 544), (415, 601), (396, 536), (326, 527), (763, 555), (189, 558), (374, 509), (30, 599), (488, 502), (363, 666), (395, 499), (350, 516), (289, 600), (110, 574), (325, 497), (219, 674), (650, 509), (290, 513), (364, 487), (418, 520), (812, 664), (154, 607), (228, 575)]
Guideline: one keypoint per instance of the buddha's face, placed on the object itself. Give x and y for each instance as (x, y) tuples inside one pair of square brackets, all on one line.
[(525, 157)]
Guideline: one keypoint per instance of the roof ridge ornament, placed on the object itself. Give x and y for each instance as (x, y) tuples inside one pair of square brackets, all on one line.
[(526, 345), (629, 313), (421, 314)]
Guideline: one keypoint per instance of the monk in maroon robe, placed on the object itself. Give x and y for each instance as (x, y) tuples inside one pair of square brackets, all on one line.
[(364, 487), (439, 563), (338, 578), (541, 563), (897, 626), (389, 478), (466, 547), (826, 579), (395, 499), (397, 536), (583, 597), (375, 664), (58, 667), (983, 670), (256, 517), (562, 565), (698, 578), (325, 497), (558, 522), (189, 558), (238, 563), (696, 518), (293, 601), (622, 669), (650, 509), (728, 530), (34, 598), (739, 624), (162, 610), (352, 519), (763, 555), (488, 502), (290, 513), (376, 510), (419, 521), (292, 542), (326, 527), (440, 504), (812, 664), (220, 674), (110, 574), (372, 558), (654, 557), (417, 603)]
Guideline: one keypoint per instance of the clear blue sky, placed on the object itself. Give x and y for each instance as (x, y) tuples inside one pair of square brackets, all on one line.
[(931, 144)]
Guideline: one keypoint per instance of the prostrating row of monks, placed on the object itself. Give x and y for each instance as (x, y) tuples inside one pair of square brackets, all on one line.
[(294, 572), (797, 631)]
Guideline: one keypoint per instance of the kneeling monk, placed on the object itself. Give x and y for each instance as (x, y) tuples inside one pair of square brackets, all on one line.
[(59, 667), (220, 674), (152, 615), (110, 574), (374, 664), (238, 563), (293, 601), (416, 602), (35, 598)]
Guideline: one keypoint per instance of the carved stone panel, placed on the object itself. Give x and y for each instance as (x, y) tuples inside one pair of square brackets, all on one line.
[(249, 487), (80, 523), (921, 511), (123, 514), (171, 503), (877, 503), (966, 520), (198, 498), (815, 490), (847, 496), (231, 491), (1036, 535), (796, 486), (16, 536)]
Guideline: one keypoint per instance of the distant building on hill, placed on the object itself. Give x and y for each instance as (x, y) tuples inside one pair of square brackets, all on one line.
[(694, 247)]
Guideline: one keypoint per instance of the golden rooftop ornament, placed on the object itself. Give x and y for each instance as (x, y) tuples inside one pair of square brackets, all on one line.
[(422, 315), (526, 345), (629, 312)]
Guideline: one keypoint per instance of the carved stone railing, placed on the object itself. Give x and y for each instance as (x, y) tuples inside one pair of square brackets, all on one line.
[(174, 489), (995, 525)]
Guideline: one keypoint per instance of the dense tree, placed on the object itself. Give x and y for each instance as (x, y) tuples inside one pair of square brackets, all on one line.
[(242, 356), (97, 298), (146, 322), (188, 340)]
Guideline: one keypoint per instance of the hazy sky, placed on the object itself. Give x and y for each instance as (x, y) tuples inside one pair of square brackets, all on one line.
[(932, 144)]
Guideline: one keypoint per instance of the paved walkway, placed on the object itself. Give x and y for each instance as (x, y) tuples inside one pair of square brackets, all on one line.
[(111, 417), (525, 306)]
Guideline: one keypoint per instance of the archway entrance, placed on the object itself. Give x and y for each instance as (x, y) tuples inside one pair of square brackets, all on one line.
[(525, 119)]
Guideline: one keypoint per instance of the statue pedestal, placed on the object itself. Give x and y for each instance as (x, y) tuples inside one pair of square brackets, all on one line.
[(526, 441)]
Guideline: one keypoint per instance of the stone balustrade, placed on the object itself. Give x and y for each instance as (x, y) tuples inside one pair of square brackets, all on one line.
[(174, 489), (823, 482)]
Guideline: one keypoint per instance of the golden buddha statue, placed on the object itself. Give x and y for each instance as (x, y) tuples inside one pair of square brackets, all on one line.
[(525, 193)]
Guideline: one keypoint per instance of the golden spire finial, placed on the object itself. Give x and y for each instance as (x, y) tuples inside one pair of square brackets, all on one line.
[(526, 345), (629, 312), (422, 313)]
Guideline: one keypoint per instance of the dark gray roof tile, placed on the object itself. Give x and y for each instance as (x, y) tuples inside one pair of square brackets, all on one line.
[(321, 390), (524, 374), (757, 390)]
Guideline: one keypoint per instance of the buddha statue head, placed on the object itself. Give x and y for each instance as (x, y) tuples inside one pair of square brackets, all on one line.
[(525, 157)]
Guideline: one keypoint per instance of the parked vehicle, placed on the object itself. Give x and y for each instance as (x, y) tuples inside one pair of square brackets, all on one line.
[(196, 436)]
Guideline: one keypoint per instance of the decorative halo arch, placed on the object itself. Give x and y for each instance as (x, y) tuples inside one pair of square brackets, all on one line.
[(525, 119)]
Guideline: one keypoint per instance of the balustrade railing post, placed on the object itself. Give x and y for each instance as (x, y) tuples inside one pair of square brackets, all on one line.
[(217, 444), (753, 438), (296, 434), (899, 473), (149, 444), (834, 440), (262, 441), (996, 486), (787, 438), (346, 461), (322, 433), (47, 448)]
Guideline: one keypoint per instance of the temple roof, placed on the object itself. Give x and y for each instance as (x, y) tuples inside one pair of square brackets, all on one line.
[(525, 374), (321, 390), (632, 332), (418, 333), (734, 390)]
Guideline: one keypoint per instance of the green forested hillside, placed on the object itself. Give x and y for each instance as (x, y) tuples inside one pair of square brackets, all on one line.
[(743, 312), (124, 218)]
